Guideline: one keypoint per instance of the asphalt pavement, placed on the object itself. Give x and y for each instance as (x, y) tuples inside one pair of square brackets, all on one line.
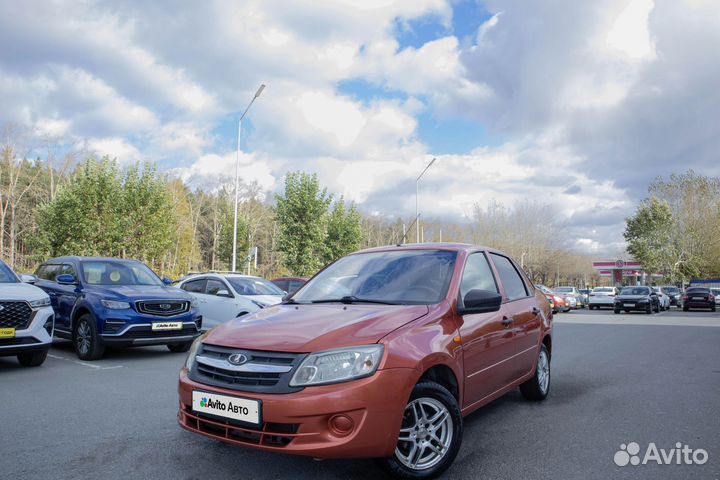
[(616, 379)]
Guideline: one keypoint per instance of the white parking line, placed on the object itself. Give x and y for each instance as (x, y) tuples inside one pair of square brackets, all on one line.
[(85, 364), (662, 319)]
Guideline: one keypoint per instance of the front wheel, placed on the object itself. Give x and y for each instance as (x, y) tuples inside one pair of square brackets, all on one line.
[(179, 347), (430, 434), (32, 359), (87, 343)]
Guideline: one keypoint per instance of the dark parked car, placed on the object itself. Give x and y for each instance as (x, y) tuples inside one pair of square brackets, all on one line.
[(637, 298), (106, 301), (380, 355), (674, 293), (290, 284), (698, 297)]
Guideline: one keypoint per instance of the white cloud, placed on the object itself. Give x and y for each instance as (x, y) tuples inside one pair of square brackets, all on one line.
[(117, 148)]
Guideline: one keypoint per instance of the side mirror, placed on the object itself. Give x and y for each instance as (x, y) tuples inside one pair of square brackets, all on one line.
[(31, 279), (223, 293), (66, 279), (481, 301), (167, 281)]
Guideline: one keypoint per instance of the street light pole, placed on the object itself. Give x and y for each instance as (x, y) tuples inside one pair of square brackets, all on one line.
[(237, 176), (417, 201)]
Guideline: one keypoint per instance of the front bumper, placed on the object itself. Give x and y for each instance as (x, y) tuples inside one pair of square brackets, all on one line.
[(142, 333), (631, 305), (601, 301), (299, 423), (32, 339)]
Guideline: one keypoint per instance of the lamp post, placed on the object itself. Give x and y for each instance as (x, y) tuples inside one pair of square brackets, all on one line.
[(417, 201), (237, 176)]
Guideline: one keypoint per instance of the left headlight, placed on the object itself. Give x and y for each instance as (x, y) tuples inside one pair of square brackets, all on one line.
[(115, 305), (340, 365), (43, 302)]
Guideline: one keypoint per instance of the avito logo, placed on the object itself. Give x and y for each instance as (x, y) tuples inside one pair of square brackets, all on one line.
[(220, 405), (680, 455)]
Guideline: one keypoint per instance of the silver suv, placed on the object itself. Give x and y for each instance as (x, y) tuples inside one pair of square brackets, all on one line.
[(26, 319)]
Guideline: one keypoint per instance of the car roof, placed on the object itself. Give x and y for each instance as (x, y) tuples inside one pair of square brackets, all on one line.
[(75, 258), (453, 247)]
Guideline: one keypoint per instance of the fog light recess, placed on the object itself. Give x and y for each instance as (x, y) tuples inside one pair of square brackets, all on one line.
[(341, 425)]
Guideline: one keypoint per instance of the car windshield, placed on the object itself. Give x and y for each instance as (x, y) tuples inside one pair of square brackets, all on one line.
[(671, 290), (118, 272), (603, 289), (635, 291), (564, 289), (698, 290), (7, 275), (411, 277), (254, 286)]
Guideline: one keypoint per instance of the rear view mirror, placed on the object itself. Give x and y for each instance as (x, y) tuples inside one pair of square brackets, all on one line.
[(223, 293), (66, 279), (167, 281), (480, 301), (31, 279)]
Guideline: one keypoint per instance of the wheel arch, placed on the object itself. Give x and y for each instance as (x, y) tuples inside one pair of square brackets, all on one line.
[(445, 376), (547, 341)]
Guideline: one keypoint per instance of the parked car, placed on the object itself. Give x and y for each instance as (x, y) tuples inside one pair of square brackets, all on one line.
[(102, 302), (698, 297), (585, 292), (663, 299), (602, 297), (217, 300), (716, 294), (674, 293), (637, 298), (380, 355), (26, 319), (290, 284), (559, 304), (576, 301)]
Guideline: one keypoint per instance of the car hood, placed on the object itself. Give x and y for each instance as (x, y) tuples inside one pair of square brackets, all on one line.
[(140, 292), (21, 291), (312, 328), (632, 297)]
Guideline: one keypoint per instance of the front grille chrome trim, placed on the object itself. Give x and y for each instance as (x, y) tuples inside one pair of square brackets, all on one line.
[(246, 367)]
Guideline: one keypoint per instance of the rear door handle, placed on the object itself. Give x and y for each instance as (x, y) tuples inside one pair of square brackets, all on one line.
[(507, 321)]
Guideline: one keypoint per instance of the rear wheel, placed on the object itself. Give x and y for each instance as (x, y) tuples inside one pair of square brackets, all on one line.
[(685, 309), (430, 434), (32, 359), (616, 310), (537, 388), (179, 347), (88, 345)]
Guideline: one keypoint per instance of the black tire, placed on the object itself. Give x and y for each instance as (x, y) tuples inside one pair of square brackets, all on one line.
[(433, 392), (616, 310), (32, 359), (713, 309), (179, 347), (627, 310), (685, 309), (649, 309), (537, 389), (86, 329)]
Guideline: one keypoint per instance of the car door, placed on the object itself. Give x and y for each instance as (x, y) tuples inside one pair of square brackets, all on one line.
[(67, 295), (486, 342), (521, 308), (46, 274), (219, 302)]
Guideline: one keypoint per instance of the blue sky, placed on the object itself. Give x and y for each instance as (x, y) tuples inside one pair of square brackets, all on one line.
[(544, 101)]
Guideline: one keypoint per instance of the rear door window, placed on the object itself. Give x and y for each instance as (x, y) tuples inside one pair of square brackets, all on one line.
[(48, 272), (514, 286), (195, 286)]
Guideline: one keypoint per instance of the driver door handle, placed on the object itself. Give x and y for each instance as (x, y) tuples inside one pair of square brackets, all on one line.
[(507, 321), (536, 311)]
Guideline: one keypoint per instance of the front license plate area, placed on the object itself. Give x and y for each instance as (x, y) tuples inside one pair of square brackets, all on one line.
[(243, 410), (7, 333), (160, 326), (628, 305)]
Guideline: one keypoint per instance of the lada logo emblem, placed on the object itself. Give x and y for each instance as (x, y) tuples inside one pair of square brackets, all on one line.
[(237, 359)]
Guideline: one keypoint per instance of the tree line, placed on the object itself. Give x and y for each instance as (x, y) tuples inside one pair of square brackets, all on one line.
[(58, 201)]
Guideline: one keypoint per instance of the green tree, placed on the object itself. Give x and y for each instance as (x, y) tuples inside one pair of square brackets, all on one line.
[(648, 235), (302, 216), (344, 233)]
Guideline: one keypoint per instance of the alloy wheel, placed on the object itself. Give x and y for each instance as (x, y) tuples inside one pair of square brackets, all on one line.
[(543, 368), (83, 338), (425, 435)]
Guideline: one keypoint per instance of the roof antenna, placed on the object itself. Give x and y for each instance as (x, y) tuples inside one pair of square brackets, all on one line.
[(402, 240)]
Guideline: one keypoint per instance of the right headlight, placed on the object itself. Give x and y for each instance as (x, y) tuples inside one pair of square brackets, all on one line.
[(192, 353), (336, 366)]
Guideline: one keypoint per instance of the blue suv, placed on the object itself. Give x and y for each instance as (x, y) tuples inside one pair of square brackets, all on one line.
[(101, 302)]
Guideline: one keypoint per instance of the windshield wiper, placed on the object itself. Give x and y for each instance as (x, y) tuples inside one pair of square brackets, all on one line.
[(348, 299)]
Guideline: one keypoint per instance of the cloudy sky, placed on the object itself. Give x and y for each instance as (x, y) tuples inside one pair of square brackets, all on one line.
[(574, 104)]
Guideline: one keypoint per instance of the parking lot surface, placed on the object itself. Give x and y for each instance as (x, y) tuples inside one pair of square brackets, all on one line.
[(615, 379)]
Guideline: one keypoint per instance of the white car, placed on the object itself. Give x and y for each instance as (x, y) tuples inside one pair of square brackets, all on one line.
[(26, 319), (602, 297), (663, 298), (716, 292), (223, 297)]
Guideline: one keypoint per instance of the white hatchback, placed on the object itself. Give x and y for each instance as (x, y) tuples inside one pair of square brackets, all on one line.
[(602, 297), (223, 297)]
